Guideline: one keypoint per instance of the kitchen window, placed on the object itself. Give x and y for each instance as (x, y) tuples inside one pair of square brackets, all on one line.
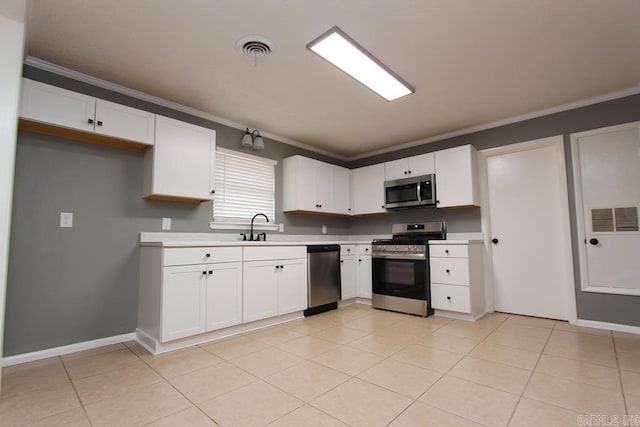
[(245, 186)]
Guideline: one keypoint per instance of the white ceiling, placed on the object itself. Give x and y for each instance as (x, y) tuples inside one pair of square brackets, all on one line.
[(470, 61)]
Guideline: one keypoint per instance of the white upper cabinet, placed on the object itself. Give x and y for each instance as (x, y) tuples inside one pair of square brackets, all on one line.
[(58, 107), (367, 190), (313, 186), (456, 177), (341, 190), (181, 164), (120, 121), (422, 164)]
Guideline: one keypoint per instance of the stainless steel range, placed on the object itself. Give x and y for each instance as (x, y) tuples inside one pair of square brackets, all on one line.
[(400, 268)]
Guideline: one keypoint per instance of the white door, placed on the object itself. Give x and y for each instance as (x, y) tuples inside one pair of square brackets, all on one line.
[(224, 295), (367, 189), (183, 301), (422, 164), (323, 180), (292, 286), (529, 227), (607, 175)]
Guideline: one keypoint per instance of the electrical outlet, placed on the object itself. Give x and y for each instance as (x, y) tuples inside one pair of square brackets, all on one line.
[(166, 223), (324, 229), (66, 219)]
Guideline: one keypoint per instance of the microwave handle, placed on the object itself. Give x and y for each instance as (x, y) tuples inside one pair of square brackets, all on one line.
[(419, 192)]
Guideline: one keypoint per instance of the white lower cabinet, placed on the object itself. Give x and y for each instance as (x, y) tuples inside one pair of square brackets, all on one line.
[(183, 301), (224, 296), (180, 296), (457, 288), (348, 272), (275, 281), (364, 271)]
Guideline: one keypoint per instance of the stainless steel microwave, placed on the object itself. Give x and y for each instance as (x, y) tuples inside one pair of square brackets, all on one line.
[(407, 192)]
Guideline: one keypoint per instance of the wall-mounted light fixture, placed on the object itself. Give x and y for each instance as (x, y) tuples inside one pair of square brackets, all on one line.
[(252, 140)]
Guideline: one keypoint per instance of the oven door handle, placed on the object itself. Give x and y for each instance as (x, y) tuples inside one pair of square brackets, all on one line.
[(408, 257)]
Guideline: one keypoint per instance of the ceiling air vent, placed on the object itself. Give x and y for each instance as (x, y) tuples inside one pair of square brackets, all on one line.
[(254, 47)]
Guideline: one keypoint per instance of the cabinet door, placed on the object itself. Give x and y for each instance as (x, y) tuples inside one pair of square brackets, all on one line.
[(183, 301), (396, 169), (368, 189), (306, 188), (324, 186), (364, 277), (422, 164), (224, 295), (49, 104), (348, 277), (292, 285), (183, 160), (260, 290), (124, 122), (341, 190), (456, 181)]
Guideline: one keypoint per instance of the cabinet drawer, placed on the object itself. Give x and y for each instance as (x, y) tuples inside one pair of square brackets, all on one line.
[(347, 250), (449, 251), (450, 297), (452, 271), (185, 256), (364, 249), (265, 253)]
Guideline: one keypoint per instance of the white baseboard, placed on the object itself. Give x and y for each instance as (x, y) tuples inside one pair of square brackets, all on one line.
[(610, 326), (71, 348)]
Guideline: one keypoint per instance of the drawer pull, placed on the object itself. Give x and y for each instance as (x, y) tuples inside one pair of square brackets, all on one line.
[(448, 298), (210, 271), (204, 272), (208, 255), (446, 251), (448, 271)]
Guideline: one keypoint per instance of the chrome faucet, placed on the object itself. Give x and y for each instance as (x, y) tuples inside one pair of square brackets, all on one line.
[(251, 232)]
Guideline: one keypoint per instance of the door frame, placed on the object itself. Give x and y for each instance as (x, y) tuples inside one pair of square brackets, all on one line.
[(580, 223), (485, 216)]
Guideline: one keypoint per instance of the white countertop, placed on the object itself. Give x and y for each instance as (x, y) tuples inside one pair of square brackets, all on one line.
[(177, 240)]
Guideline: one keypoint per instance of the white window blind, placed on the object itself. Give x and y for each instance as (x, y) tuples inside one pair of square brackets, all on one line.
[(245, 186)]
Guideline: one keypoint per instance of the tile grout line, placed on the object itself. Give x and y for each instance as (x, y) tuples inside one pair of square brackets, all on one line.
[(84, 410), (515, 408), (417, 400), (624, 395)]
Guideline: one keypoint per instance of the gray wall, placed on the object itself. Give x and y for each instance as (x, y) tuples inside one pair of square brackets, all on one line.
[(79, 284), (72, 285), (621, 309)]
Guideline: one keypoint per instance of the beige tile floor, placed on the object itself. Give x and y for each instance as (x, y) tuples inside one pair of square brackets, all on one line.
[(352, 366)]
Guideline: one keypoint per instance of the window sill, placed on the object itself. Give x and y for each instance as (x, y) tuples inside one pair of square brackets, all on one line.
[(243, 226)]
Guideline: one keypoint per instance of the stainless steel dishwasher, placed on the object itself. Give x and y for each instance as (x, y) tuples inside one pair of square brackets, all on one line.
[(323, 278)]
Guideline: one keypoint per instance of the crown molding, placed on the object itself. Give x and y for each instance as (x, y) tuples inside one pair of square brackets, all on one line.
[(528, 116), (56, 69), (85, 78)]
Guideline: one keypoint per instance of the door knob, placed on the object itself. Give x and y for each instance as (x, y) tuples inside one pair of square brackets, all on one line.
[(494, 241), (594, 241)]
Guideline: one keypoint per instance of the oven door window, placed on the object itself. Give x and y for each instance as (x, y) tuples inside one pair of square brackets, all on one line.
[(402, 193), (400, 278)]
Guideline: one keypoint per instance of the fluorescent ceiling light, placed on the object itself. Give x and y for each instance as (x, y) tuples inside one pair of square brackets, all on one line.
[(343, 52)]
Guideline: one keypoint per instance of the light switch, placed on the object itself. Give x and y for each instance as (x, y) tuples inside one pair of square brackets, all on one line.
[(66, 219), (166, 223)]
